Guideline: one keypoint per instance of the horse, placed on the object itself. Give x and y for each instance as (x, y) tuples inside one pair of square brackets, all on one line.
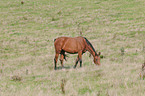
[(74, 45)]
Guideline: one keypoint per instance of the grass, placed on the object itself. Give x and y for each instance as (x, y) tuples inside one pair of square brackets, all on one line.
[(27, 32)]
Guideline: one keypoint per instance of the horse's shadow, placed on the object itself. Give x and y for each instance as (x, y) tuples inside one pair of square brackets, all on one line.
[(65, 67)]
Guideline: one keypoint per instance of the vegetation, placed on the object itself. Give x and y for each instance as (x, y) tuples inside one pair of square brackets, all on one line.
[(27, 32)]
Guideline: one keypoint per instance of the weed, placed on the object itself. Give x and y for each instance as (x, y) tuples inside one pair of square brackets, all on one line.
[(2, 65), (63, 82), (26, 71), (142, 73), (22, 2), (122, 52), (16, 78)]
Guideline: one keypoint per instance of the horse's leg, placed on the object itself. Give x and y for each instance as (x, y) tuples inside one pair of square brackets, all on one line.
[(79, 58), (76, 62), (55, 60), (80, 62), (61, 60)]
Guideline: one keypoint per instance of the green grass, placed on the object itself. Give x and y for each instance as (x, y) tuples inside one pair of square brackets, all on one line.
[(27, 34)]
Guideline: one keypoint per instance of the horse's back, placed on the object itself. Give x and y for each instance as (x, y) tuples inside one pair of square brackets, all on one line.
[(61, 39), (69, 44)]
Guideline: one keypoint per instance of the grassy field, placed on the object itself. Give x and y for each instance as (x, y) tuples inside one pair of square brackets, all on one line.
[(27, 32)]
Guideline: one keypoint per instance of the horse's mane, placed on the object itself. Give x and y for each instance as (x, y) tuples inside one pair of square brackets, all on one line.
[(88, 42), (54, 40)]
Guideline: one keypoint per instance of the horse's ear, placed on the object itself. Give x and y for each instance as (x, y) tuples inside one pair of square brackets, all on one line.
[(99, 53)]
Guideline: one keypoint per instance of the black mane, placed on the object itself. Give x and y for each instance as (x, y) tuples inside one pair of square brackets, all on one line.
[(54, 40), (88, 42)]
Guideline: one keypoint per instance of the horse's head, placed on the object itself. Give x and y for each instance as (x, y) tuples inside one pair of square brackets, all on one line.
[(97, 58)]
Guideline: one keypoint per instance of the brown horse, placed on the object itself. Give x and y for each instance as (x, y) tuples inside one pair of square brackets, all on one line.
[(74, 45)]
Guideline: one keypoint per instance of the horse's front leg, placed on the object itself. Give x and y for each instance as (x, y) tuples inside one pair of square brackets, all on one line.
[(55, 60), (80, 62), (79, 59), (76, 62)]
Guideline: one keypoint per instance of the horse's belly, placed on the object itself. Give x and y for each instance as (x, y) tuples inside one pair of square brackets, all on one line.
[(71, 50)]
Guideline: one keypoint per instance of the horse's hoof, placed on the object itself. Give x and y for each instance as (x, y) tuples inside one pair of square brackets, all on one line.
[(74, 67)]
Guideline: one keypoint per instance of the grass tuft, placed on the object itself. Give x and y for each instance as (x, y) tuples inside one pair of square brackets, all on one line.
[(16, 78)]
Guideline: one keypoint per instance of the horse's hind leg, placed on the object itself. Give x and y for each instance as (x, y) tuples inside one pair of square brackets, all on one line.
[(61, 60), (80, 58), (55, 60)]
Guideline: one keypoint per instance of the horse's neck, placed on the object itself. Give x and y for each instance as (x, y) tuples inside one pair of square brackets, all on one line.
[(91, 50)]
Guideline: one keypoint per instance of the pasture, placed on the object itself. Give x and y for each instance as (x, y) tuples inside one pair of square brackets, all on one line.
[(116, 28)]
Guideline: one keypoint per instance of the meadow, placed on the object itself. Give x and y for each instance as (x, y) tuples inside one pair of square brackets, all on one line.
[(116, 28)]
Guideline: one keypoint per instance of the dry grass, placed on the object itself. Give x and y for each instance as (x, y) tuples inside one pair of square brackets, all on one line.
[(26, 47)]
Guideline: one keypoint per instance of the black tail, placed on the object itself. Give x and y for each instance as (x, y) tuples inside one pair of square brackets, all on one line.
[(65, 56)]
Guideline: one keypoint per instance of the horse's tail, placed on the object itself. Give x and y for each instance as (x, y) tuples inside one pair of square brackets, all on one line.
[(65, 56)]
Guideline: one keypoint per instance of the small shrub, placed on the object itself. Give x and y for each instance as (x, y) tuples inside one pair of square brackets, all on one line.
[(59, 12), (25, 18), (53, 19), (142, 73), (2, 68), (143, 48), (16, 78), (26, 71), (22, 2), (101, 56), (122, 51)]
